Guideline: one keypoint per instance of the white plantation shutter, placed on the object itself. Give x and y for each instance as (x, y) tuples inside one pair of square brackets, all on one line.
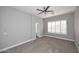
[(63, 26), (58, 27), (53, 27), (49, 27)]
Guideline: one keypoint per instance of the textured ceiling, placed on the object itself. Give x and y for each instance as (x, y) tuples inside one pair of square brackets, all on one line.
[(58, 10)]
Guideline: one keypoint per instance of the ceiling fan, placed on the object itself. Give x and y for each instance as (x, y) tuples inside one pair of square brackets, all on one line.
[(45, 10)]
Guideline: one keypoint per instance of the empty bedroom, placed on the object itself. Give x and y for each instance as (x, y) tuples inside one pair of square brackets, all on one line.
[(39, 29)]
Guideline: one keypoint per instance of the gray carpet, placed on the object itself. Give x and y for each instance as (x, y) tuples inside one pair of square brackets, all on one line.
[(45, 45)]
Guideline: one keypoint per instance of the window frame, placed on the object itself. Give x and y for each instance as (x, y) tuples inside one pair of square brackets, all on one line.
[(60, 32)]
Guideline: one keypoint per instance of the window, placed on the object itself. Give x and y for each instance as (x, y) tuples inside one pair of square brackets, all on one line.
[(63, 27), (53, 27), (58, 27), (49, 27)]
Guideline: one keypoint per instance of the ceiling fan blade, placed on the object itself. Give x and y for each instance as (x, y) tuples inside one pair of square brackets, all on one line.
[(47, 8), (39, 9), (40, 13), (52, 12), (49, 11)]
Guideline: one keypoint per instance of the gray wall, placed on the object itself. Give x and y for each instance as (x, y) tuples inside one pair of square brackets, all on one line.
[(77, 26), (34, 21), (70, 23), (16, 26)]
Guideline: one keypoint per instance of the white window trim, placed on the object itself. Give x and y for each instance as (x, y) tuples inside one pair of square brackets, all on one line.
[(55, 27)]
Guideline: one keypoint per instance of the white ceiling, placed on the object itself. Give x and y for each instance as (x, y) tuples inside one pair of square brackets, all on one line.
[(58, 10)]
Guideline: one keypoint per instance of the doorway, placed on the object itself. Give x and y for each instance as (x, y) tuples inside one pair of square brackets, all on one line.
[(37, 27)]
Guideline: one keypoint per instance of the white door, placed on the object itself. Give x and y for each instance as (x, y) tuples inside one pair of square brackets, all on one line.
[(37, 29)]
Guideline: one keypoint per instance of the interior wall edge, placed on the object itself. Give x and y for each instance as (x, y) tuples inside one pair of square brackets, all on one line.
[(77, 45)]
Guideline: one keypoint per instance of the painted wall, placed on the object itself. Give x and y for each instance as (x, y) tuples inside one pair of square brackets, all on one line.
[(77, 27), (16, 26), (70, 23), (34, 21)]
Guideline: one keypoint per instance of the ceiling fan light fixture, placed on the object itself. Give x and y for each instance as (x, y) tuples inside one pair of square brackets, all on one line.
[(45, 10)]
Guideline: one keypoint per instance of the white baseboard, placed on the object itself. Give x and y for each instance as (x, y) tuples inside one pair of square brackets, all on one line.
[(4, 49), (60, 38)]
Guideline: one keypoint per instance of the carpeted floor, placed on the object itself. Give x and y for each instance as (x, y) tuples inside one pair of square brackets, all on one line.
[(45, 45)]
